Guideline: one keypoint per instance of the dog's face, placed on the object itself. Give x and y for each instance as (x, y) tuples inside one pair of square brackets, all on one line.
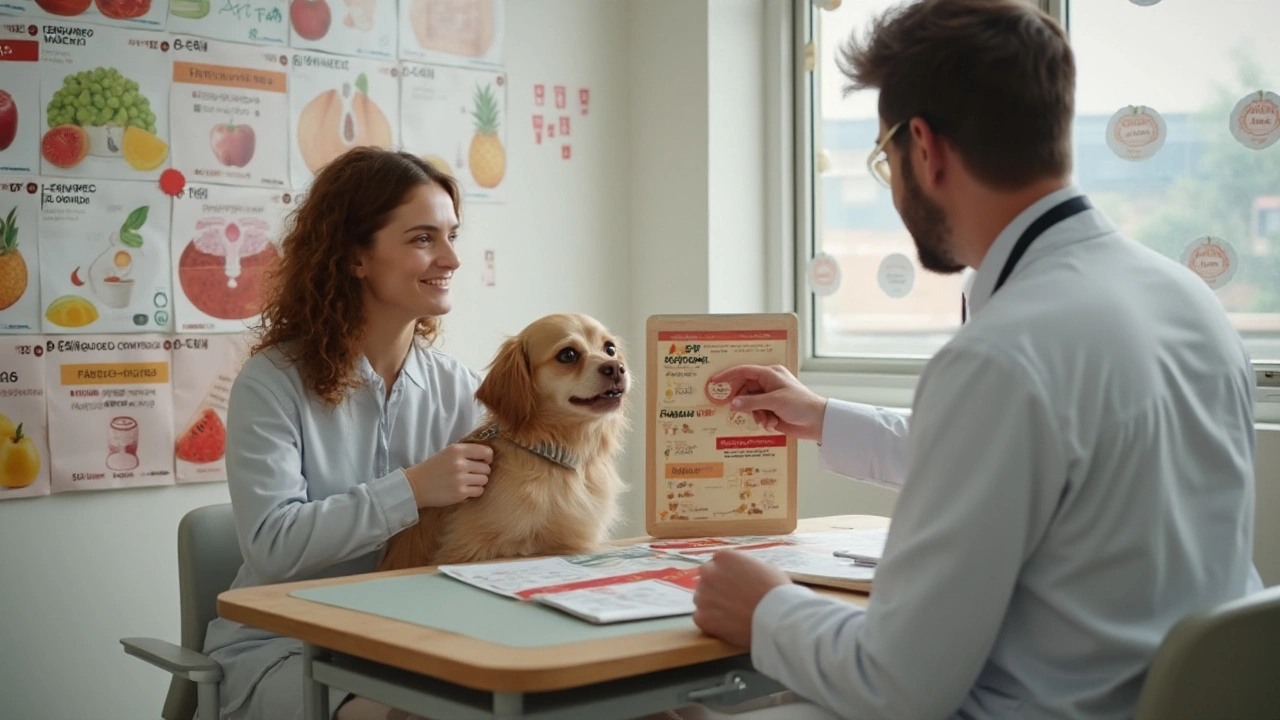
[(564, 368)]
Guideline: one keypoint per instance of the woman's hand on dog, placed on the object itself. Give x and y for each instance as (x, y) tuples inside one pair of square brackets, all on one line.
[(776, 399), (452, 475)]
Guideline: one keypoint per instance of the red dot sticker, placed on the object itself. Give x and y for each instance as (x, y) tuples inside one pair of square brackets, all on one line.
[(172, 182)]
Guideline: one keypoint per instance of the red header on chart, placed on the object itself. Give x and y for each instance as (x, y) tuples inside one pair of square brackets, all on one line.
[(748, 443), (712, 335)]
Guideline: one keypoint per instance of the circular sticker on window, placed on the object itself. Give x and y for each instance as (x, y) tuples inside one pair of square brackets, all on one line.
[(824, 275), (1255, 121), (1135, 132), (897, 275), (1212, 258)]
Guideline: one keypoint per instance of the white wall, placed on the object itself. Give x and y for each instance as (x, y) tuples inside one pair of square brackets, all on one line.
[(77, 572)]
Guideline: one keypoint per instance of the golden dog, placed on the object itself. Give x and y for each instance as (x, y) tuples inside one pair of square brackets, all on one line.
[(556, 396)]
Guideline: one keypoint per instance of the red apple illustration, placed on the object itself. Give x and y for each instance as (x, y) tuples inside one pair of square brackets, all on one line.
[(232, 144), (8, 120), (310, 18)]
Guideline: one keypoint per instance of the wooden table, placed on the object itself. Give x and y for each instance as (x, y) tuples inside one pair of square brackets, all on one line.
[(439, 674)]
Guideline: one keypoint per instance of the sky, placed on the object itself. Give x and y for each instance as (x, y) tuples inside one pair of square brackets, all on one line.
[(1167, 56)]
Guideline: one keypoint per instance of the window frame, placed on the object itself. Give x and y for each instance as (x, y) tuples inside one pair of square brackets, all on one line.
[(887, 381)]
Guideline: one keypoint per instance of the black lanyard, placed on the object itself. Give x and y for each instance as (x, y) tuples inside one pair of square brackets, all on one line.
[(1055, 215)]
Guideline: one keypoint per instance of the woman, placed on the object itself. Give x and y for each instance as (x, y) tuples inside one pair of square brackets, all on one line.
[(344, 422)]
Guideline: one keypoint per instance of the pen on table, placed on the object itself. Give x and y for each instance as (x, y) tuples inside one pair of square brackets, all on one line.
[(864, 560)]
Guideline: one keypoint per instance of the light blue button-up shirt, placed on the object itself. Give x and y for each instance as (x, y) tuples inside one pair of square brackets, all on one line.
[(1077, 475), (318, 490)]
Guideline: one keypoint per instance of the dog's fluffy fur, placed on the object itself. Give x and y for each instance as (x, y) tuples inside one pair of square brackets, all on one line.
[(551, 384)]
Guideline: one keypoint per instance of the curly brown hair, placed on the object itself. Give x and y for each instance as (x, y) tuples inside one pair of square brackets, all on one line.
[(313, 312)]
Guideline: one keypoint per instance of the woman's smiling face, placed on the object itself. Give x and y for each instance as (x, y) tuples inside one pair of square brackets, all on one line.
[(407, 268)]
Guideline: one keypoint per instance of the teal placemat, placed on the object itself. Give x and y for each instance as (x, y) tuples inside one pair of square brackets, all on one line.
[(440, 602)]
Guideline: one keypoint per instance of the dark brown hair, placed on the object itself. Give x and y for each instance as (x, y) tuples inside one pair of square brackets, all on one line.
[(314, 309), (995, 78)]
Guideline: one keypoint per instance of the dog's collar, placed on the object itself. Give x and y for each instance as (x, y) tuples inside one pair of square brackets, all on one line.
[(547, 451)]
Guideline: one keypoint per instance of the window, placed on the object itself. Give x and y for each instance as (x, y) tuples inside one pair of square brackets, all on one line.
[(1192, 62), (885, 305)]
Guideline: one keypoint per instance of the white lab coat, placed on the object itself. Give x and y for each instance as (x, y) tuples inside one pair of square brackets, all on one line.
[(1077, 475)]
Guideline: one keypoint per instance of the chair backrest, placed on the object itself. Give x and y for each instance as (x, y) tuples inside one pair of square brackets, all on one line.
[(208, 560), (1221, 663)]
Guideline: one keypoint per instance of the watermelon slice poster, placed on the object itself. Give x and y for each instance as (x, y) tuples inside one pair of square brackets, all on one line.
[(204, 368), (142, 14), (111, 411), (223, 250), (456, 119), (24, 450), (335, 104), (19, 98), (104, 105), (228, 104), (19, 254), (104, 257)]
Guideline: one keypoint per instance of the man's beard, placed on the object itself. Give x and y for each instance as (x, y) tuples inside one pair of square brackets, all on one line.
[(927, 223)]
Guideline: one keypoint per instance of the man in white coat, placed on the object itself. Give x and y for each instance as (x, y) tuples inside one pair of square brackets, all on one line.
[(1077, 472)]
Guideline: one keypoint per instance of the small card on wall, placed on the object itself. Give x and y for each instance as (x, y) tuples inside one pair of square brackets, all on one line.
[(363, 28), (335, 104), (19, 98), (104, 257), (138, 14), (262, 22), (111, 403), (224, 246), (24, 448), (19, 254), (204, 368), (104, 102), (228, 104), (711, 470), (456, 119), (465, 33)]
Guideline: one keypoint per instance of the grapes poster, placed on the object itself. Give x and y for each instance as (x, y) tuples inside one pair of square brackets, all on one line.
[(364, 28), (335, 104), (19, 98), (456, 119), (224, 244), (24, 451), (110, 399), (261, 22), (141, 14), (204, 368), (104, 261), (19, 255), (465, 33), (228, 103), (105, 102)]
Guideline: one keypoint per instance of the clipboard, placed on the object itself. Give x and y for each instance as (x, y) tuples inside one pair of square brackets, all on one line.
[(710, 470)]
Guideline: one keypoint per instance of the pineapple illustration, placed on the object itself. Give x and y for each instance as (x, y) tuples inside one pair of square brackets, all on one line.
[(487, 158), (13, 268)]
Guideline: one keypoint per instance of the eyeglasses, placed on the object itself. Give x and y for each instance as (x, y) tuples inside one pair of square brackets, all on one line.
[(878, 161)]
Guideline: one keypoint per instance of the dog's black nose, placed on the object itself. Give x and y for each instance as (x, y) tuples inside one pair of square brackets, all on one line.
[(613, 368)]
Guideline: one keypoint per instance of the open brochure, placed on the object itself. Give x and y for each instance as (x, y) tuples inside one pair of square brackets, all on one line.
[(657, 579)]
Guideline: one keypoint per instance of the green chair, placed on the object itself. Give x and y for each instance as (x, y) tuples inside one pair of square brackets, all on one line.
[(1220, 663), (208, 560)]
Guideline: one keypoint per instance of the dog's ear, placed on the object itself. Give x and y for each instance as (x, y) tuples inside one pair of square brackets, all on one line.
[(507, 390)]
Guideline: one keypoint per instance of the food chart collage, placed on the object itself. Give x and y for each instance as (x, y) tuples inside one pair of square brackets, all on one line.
[(150, 154)]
